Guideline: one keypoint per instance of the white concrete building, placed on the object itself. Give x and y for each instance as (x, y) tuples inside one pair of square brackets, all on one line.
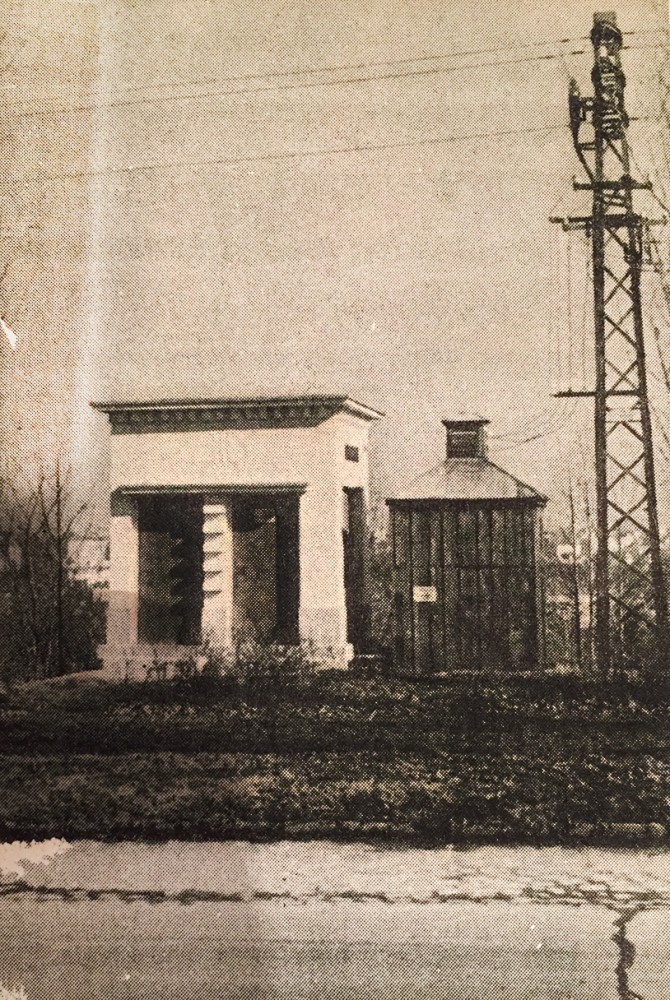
[(236, 518)]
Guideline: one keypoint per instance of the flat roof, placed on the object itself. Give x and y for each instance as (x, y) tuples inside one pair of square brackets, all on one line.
[(465, 418), (340, 402)]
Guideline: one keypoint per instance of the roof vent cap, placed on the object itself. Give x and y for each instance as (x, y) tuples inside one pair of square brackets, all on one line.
[(466, 436)]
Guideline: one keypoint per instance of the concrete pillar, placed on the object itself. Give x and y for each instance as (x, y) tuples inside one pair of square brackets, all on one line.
[(323, 613), (123, 572), (217, 607)]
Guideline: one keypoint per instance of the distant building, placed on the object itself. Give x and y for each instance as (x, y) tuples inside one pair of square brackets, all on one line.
[(88, 560)]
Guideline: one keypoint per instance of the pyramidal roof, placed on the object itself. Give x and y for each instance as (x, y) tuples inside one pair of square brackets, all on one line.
[(468, 479)]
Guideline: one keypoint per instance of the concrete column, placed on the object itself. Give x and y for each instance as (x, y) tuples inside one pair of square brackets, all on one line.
[(123, 572), (217, 607), (323, 614)]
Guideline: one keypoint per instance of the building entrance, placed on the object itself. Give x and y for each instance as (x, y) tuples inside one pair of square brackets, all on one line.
[(170, 569), (173, 568), (266, 569)]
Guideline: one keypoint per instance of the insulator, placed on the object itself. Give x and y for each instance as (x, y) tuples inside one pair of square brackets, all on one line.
[(576, 109), (605, 31)]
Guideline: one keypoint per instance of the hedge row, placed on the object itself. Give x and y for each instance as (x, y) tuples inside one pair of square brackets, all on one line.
[(328, 714), (454, 798)]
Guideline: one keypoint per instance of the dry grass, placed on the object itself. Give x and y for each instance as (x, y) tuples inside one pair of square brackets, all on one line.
[(541, 761)]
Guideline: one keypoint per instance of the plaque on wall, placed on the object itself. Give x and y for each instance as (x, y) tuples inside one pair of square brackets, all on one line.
[(425, 595)]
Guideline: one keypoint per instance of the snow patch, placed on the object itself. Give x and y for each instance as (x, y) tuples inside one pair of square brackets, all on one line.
[(13, 856), (15, 993)]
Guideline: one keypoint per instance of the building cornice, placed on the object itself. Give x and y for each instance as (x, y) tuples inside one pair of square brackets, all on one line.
[(230, 413)]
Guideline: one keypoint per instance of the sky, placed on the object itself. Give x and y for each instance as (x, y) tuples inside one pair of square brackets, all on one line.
[(217, 198)]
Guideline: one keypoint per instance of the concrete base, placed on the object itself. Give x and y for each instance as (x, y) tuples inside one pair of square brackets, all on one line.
[(145, 662), (155, 662)]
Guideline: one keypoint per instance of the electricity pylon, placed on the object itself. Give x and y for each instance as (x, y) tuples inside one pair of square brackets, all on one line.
[(630, 599)]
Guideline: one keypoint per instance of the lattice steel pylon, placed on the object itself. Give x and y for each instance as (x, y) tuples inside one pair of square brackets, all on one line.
[(631, 618)]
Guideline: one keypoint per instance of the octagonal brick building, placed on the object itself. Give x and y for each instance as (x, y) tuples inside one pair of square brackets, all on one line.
[(464, 539)]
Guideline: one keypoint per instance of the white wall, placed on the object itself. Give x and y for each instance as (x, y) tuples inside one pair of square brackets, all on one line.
[(310, 457)]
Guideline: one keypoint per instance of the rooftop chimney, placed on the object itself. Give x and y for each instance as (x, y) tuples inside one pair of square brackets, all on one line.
[(466, 437)]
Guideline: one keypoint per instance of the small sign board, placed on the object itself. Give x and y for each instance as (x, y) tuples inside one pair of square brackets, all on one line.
[(425, 595)]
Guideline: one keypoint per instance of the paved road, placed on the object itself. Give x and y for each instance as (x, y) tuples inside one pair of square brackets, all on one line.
[(240, 921), (110, 949)]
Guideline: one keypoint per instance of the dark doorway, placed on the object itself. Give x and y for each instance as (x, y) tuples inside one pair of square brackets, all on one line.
[(288, 570), (170, 569), (266, 569), (354, 538)]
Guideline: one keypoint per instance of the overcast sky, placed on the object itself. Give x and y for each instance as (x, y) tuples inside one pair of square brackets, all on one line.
[(226, 198)]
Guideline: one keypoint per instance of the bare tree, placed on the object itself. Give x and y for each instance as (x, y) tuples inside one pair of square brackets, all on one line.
[(50, 622)]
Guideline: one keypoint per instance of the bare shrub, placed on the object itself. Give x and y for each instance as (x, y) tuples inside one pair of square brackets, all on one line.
[(50, 621)]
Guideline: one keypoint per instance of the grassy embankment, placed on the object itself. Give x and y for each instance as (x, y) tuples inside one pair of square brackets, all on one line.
[(550, 761)]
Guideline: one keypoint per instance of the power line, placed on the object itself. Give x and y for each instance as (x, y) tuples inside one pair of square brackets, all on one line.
[(338, 67), (557, 269), (543, 420), (552, 307), (652, 191), (664, 432), (658, 182), (557, 423), (529, 440), (587, 294), (569, 305), (277, 157), (346, 81), (370, 64)]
